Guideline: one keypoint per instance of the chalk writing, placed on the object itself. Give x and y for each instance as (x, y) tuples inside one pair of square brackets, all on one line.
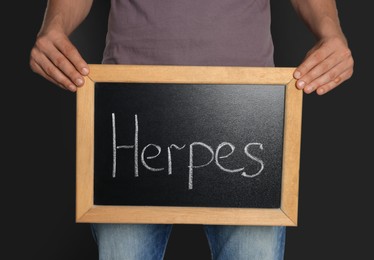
[(170, 170), (215, 155)]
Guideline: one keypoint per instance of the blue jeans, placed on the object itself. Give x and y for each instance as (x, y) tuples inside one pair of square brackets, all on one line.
[(148, 241)]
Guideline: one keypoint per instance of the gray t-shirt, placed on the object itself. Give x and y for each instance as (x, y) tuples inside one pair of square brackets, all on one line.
[(189, 32)]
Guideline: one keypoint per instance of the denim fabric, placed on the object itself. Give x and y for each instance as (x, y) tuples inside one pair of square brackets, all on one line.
[(148, 242)]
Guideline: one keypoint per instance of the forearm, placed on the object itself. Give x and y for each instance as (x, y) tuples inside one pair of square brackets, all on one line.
[(65, 15), (321, 16)]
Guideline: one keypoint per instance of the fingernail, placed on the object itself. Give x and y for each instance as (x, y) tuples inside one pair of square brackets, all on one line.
[(72, 88), (309, 89), (321, 91), (85, 71), (300, 84), (79, 82), (297, 74)]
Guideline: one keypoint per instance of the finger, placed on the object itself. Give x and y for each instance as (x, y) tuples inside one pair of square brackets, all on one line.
[(311, 61), (65, 66), (329, 76), (327, 71), (54, 73), (73, 55), (61, 62), (37, 69), (333, 84), (319, 70)]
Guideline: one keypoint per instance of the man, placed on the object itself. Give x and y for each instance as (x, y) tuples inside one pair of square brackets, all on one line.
[(191, 32)]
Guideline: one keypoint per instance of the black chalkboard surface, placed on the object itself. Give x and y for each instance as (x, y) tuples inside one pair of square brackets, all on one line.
[(188, 145)]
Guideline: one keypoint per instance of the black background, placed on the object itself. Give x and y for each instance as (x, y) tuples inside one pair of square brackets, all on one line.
[(38, 146)]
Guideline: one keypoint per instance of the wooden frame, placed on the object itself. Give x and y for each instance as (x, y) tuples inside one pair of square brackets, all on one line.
[(86, 211)]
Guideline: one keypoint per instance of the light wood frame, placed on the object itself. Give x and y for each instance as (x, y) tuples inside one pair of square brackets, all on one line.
[(87, 212)]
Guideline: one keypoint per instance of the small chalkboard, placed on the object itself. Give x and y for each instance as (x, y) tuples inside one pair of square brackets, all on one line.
[(174, 144)]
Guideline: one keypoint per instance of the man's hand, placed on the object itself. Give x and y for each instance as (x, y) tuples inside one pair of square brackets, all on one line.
[(329, 62), (326, 65), (55, 58)]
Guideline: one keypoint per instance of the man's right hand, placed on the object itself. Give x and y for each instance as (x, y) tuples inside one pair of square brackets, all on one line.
[(54, 57)]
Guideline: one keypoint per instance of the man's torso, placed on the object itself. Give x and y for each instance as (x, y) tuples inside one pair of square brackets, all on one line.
[(189, 32)]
